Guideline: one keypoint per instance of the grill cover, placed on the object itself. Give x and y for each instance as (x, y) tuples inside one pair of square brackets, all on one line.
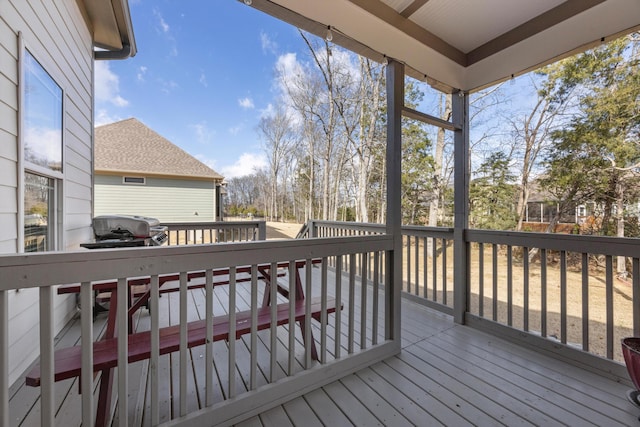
[(112, 226)]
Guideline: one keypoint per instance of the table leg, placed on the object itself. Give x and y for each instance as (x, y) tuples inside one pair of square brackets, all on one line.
[(266, 301), (104, 399), (302, 323), (106, 379), (314, 351), (266, 298)]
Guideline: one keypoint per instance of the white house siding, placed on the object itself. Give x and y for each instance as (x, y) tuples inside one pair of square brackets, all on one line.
[(56, 33), (168, 199)]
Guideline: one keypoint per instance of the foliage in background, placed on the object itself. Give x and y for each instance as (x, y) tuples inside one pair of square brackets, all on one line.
[(492, 195)]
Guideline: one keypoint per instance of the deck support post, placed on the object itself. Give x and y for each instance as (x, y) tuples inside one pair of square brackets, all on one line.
[(395, 104), (460, 118)]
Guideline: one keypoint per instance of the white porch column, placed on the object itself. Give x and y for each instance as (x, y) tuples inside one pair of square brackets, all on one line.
[(460, 118), (395, 104)]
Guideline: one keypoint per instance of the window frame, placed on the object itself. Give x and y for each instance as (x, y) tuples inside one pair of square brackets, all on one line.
[(57, 204)]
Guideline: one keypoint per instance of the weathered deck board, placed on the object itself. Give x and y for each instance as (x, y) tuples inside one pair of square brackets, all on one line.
[(300, 413), (456, 375), (447, 374), (555, 397)]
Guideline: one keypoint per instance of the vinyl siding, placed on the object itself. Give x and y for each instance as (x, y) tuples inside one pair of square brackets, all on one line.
[(57, 36), (169, 200)]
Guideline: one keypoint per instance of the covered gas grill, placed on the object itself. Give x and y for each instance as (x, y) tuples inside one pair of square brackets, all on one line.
[(121, 231)]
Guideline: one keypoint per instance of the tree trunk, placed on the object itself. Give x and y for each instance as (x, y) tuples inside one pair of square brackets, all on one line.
[(383, 196), (621, 261), (438, 172), (309, 208), (363, 176), (553, 222), (438, 175)]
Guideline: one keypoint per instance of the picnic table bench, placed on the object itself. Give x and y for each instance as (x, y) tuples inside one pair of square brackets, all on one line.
[(68, 361)]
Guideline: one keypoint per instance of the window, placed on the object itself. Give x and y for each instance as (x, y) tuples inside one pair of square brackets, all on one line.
[(42, 142), (133, 180), (42, 116), (39, 213)]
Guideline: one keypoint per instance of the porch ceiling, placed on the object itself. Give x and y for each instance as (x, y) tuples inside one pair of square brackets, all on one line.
[(463, 44)]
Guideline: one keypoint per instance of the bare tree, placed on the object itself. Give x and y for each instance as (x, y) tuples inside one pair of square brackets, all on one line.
[(532, 137), (439, 172), (278, 136), (304, 92), (327, 119), (369, 113)]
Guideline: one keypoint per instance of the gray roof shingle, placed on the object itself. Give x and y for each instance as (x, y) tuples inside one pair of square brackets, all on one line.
[(130, 146)]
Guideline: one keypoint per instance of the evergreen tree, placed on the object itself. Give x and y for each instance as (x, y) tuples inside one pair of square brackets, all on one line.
[(492, 195), (596, 157)]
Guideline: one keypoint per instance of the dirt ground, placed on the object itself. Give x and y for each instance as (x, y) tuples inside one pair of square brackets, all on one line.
[(282, 230), (591, 298)]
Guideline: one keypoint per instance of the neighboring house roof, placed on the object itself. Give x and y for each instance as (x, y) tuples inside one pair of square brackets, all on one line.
[(537, 194), (129, 146)]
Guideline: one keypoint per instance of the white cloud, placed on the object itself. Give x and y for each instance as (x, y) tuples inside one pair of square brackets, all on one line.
[(103, 117), (164, 28), (203, 134), (163, 25), (246, 103), (142, 71), (167, 86), (247, 164), (235, 130), (288, 65), (107, 85), (207, 161), (42, 143), (268, 45), (268, 111), (203, 79)]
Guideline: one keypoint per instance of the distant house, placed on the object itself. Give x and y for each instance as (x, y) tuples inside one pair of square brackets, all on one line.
[(543, 206), (139, 172)]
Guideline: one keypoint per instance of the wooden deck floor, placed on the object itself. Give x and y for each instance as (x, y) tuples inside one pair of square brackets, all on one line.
[(453, 375), (447, 374)]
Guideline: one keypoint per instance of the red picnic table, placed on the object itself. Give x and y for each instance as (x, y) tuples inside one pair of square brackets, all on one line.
[(67, 361)]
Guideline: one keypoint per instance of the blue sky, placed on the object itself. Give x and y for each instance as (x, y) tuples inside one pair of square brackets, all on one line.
[(202, 77)]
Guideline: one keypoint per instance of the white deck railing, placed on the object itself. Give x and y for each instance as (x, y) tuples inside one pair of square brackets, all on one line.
[(426, 277), (190, 233), (556, 286), (347, 340), (568, 293)]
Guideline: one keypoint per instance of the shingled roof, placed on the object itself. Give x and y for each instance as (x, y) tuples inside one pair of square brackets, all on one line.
[(130, 146)]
